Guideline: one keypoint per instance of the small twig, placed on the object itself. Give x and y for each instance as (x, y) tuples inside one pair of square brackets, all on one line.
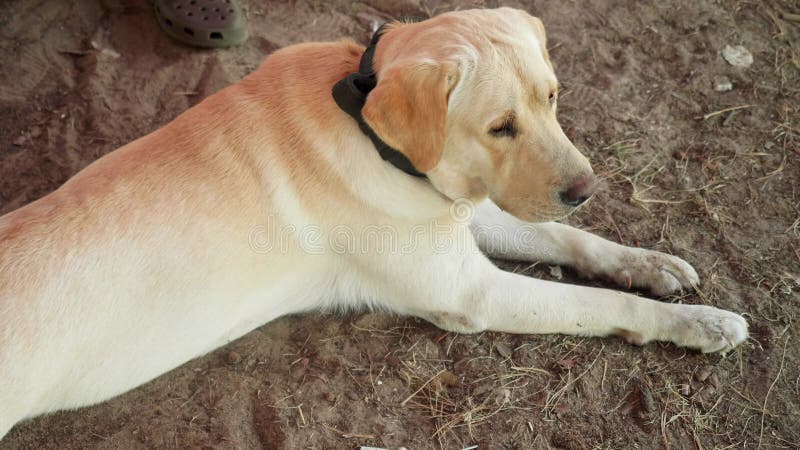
[(722, 111), (664, 429), (403, 403), (769, 391), (75, 52), (697, 441), (790, 17), (636, 196), (603, 380)]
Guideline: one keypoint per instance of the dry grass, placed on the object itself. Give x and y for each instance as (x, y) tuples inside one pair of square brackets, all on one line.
[(458, 406)]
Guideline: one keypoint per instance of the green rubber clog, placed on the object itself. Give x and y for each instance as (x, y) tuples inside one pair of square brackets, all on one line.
[(202, 23)]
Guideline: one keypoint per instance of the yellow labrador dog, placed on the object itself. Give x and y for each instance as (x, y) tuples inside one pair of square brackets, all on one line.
[(330, 177)]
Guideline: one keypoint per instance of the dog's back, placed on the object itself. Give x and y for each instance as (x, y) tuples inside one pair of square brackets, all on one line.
[(145, 259)]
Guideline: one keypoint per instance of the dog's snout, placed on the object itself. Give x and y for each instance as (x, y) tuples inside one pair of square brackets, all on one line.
[(580, 191)]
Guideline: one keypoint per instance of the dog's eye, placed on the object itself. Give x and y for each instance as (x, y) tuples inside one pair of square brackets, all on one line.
[(506, 129), (552, 98)]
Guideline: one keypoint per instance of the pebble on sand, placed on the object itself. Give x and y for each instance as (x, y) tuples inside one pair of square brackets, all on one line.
[(737, 56)]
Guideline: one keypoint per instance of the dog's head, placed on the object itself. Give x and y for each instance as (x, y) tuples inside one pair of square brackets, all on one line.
[(470, 98)]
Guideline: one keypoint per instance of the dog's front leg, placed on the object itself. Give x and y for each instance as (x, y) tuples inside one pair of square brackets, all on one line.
[(501, 235), (509, 302)]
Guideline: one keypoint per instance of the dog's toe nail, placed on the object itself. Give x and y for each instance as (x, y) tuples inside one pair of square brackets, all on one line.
[(625, 278)]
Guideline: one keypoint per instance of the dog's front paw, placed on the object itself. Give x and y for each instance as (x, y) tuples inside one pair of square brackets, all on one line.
[(708, 329), (659, 272)]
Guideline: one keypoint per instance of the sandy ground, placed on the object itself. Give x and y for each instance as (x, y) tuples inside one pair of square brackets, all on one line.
[(81, 78)]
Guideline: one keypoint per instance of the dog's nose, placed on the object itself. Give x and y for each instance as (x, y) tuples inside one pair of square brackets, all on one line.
[(580, 191)]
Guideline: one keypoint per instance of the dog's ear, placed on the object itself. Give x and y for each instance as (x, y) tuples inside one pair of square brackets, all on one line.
[(408, 109)]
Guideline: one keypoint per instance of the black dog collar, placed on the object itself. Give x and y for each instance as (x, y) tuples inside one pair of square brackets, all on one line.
[(350, 93)]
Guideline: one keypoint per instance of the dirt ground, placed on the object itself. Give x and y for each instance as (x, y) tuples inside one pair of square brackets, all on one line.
[(686, 173)]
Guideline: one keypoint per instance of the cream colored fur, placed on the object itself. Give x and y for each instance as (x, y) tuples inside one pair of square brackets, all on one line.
[(256, 203)]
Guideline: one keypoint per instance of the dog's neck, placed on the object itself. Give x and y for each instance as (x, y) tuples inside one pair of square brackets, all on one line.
[(350, 94)]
